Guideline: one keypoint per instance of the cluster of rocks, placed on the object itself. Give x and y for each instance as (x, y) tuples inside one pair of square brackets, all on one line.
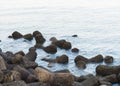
[(20, 69)]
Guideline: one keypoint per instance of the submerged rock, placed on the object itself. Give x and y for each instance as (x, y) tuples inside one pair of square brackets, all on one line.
[(62, 59), (52, 49)]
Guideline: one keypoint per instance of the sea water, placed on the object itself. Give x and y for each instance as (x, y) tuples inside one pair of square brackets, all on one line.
[(96, 22)]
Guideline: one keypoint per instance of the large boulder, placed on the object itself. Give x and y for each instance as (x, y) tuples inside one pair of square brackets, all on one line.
[(81, 64), (28, 37), (81, 58), (96, 59), (54, 79), (2, 64), (52, 49), (63, 59), (17, 35), (104, 70), (108, 59), (31, 55), (17, 59)]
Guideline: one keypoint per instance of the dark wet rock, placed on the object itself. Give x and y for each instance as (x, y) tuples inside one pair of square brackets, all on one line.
[(81, 64), (54, 79), (53, 39), (20, 52), (1, 76), (24, 72), (38, 46), (16, 35), (63, 44), (17, 59), (83, 77), (2, 64), (62, 71), (29, 64), (28, 37), (15, 83), (81, 58), (75, 50), (32, 49), (31, 78), (108, 59), (49, 60), (52, 49), (39, 39), (9, 54), (35, 33), (63, 59), (31, 55), (74, 35), (96, 59), (34, 84), (110, 78), (104, 70), (118, 78), (10, 36)]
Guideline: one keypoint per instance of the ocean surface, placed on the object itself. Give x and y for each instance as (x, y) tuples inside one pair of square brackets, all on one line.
[(96, 22)]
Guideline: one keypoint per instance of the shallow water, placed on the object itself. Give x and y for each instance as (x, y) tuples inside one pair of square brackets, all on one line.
[(97, 24)]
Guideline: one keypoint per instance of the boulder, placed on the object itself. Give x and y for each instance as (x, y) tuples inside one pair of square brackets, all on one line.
[(63, 59), (81, 64), (75, 50), (108, 59), (15, 83), (39, 39), (53, 39), (35, 33), (17, 59), (96, 59), (31, 78), (31, 55), (28, 37), (52, 49), (81, 58), (24, 72), (16, 35), (32, 49), (104, 70), (2, 64), (54, 79), (20, 52)]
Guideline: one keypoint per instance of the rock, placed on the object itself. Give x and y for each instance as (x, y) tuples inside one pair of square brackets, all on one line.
[(32, 49), (110, 78), (52, 49), (98, 58), (9, 54), (63, 44), (16, 35), (51, 64), (74, 35), (15, 83), (118, 78), (53, 39), (62, 59), (2, 64), (104, 70), (11, 76), (24, 73), (54, 79), (20, 52), (35, 33), (28, 37), (34, 84), (17, 59), (62, 71), (108, 59), (31, 78), (10, 36), (104, 83), (1, 76), (31, 55), (81, 58), (81, 64), (75, 50), (39, 39), (49, 60)]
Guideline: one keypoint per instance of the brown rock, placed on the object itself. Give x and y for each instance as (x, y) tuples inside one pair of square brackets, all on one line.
[(52, 49), (81, 64), (31, 55), (53, 39), (81, 58), (98, 58), (28, 37), (105, 70), (17, 59), (75, 50), (15, 83), (35, 33), (108, 59), (17, 35), (62, 59), (2, 64), (39, 39)]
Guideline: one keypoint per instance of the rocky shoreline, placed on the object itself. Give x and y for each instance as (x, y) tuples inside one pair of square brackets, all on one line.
[(20, 69)]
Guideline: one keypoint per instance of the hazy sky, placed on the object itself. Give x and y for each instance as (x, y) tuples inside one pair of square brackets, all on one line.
[(6, 4)]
